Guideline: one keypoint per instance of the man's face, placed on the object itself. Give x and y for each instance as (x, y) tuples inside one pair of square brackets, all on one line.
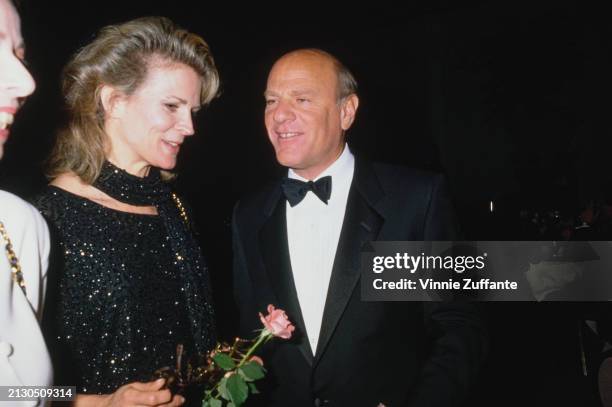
[(304, 120)]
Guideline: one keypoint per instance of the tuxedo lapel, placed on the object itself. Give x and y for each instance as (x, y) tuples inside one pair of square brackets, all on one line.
[(275, 252), (362, 223)]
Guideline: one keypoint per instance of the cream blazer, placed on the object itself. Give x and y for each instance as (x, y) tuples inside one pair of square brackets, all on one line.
[(24, 359)]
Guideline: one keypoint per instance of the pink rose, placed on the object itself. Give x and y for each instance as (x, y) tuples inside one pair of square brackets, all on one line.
[(277, 323)]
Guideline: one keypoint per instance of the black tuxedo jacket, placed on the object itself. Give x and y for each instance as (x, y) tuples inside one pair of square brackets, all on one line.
[(397, 353)]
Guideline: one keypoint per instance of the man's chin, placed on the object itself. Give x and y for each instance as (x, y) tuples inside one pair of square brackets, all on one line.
[(287, 161)]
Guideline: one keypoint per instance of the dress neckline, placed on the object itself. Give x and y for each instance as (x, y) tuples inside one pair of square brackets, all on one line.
[(95, 204)]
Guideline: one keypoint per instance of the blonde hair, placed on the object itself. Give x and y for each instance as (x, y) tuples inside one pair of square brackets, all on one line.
[(120, 56)]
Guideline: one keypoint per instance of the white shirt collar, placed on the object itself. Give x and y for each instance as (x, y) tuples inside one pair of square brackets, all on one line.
[(338, 169), (341, 172)]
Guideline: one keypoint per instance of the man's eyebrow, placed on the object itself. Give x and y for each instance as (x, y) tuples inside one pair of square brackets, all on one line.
[(301, 92), (268, 93), (297, 92)]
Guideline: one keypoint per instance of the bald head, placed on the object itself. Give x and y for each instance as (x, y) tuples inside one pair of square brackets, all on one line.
[(325, 63)]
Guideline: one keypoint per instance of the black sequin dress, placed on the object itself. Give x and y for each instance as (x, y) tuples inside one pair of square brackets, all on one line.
[(122, 300)]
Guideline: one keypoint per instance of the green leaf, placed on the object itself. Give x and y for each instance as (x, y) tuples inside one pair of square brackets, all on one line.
[(253, 388), (212, 403), (238, 389), (223, 389), (251, 371), (224, 361), (230, 404)]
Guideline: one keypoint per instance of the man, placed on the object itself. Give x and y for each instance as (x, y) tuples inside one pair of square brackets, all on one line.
[(298, 246)]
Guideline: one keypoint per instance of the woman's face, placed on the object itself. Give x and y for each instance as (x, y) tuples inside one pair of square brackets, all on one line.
[(148, 127), (15, 81)]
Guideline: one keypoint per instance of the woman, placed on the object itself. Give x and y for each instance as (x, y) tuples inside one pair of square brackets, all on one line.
[(24, 238), (133, 283)]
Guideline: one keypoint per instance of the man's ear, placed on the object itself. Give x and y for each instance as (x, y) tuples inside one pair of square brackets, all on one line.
[(113, 101), (348, 110)]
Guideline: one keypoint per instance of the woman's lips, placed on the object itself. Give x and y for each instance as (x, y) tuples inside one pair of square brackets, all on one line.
[(7, 116), (4, 134), (6, 119), (172, 146)]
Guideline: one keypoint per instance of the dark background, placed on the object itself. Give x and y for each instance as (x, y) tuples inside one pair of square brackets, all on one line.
[(509, 99)]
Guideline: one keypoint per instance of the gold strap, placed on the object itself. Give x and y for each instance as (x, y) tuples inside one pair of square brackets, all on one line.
[(181, 209), (13, 260)]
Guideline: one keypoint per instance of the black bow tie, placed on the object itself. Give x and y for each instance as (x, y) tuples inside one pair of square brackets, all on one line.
[(295, 190)]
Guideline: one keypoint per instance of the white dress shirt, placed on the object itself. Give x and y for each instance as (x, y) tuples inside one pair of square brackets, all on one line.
[(313, 231), (24, 360)]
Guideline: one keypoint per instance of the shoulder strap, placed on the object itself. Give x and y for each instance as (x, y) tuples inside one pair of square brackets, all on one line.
[(13, 260)]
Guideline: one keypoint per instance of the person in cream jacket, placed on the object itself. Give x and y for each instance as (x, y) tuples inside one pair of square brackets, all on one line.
[(24, 359)]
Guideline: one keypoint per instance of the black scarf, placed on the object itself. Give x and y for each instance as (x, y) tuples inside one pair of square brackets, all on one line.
[(153, 191)]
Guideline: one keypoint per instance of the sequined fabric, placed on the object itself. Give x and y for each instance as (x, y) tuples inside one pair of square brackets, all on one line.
[(124, 187), (121, 301)]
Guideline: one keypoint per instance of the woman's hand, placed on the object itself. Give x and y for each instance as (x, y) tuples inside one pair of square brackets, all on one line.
[(135, 394)]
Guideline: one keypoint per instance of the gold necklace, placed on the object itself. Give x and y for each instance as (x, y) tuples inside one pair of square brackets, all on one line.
[(13, 260)]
